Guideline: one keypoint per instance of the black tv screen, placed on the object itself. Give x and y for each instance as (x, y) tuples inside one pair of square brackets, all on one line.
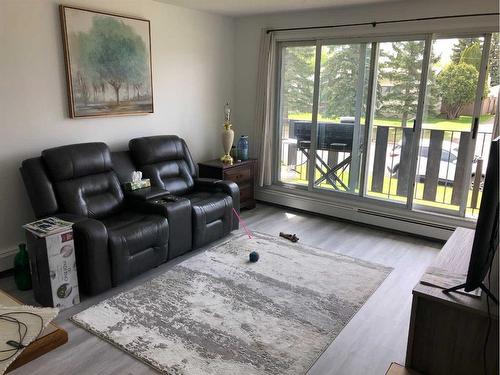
[(486, 236)]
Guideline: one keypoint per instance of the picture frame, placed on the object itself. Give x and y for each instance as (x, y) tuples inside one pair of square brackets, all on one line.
[(108, 63)]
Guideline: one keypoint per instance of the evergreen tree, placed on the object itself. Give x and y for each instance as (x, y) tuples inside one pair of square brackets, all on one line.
[(402, 67), (432, 94), (494, 62), (339, 79), (298, 79)]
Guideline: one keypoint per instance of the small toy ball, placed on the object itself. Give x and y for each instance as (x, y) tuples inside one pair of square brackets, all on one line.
[(254, 256)]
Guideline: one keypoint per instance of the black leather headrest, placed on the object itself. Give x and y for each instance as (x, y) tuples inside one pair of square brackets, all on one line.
[(72, 161), (150, 150), (123, 165)]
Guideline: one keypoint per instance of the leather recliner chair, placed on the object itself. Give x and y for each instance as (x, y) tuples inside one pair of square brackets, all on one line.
[(113, 241), (167, 162)]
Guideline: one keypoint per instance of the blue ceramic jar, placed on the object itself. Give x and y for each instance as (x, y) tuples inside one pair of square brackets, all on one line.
[(242, 148)]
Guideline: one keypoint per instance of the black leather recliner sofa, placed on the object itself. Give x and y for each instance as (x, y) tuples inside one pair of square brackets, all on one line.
[(113, 242), (121, 234), (166, 160)]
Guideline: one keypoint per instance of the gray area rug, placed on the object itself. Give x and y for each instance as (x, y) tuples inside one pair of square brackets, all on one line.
[(216, 313)]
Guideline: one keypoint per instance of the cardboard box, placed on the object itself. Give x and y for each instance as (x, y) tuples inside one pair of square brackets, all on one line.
[(62, 269), (53, 268)]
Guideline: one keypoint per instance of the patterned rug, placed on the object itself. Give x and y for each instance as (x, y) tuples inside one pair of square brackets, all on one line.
[(216, 313)]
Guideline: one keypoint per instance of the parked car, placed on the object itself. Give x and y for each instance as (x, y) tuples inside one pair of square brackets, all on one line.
[(449, 157)]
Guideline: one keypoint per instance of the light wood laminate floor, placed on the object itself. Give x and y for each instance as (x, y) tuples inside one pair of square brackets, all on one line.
[(375, 337)]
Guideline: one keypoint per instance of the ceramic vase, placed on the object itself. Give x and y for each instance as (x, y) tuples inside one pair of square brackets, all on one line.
[(227, 143), (243, 148)]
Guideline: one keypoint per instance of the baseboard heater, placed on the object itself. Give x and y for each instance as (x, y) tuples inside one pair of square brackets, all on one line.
[(405, 219)]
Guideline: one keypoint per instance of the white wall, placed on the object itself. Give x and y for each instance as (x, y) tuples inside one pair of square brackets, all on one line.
[(200, 60), (192, 56), (248, 34)]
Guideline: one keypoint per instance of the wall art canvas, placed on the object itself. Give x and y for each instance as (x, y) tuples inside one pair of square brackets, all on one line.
[(108, 63)]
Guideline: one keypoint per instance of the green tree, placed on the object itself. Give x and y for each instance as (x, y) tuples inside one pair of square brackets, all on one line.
[(401, 67), (114, 54), (457, 86), (298, 79), (472, 55), (460, 46), (339, 79), (494, 63)]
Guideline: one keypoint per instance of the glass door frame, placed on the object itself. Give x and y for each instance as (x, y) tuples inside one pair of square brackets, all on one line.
[(277, 129), (363, 43), (370, 100), (375, 41), (473, 129), (417, 126)]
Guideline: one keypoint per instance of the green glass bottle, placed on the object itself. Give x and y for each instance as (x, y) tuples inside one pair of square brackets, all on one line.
[(22, 274)]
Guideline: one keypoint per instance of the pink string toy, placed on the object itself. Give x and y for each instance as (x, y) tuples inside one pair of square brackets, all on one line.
[(249, 234)]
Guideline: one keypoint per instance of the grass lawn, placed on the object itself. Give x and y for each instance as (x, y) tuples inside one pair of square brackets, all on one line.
[(462, 124)]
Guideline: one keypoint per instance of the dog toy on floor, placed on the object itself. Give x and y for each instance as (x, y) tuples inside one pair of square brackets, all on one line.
[(290, 237), (254, 256)]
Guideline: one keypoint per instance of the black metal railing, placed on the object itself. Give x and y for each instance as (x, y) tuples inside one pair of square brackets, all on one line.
[(443, 171)]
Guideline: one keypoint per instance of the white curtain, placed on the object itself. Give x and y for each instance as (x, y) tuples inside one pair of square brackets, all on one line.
[(264, 109)]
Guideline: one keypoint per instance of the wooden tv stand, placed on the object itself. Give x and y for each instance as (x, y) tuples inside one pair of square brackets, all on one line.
[(447, 331)]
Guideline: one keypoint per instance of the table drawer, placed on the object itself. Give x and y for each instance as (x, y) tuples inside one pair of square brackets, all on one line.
[(238, 175), (246, 192)]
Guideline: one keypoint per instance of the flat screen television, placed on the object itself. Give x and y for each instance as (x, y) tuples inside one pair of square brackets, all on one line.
[(486, 237)]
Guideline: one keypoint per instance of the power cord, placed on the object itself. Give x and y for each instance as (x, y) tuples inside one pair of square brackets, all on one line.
[(22, 330)]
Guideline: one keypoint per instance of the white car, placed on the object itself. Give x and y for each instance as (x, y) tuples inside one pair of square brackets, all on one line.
[(449, 157)]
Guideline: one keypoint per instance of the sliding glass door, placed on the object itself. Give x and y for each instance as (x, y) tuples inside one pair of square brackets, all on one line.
[(443, 167), (341, 116), (295, 109), (398, 82), (406, 121)]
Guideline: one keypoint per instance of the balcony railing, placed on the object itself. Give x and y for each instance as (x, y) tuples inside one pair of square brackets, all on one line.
[(443, 173)]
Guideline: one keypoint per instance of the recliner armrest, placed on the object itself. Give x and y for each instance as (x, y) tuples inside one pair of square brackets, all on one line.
[(228, 187), (92, 257), (204, 182), (146, 207), (70, 217)]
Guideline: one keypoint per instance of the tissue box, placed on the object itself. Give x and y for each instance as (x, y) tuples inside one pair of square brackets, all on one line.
[(134, 185)]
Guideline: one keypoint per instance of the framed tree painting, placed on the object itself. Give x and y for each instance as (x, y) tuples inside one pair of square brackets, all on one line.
[(108, 63)]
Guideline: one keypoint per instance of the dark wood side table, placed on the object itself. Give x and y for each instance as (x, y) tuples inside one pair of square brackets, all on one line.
[(243, 173)]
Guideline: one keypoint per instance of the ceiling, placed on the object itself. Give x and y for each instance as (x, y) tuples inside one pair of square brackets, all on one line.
[(239, 8)]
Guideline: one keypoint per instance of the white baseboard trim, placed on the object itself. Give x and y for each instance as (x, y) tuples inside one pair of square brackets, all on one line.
[(422, 224), (7, 260)]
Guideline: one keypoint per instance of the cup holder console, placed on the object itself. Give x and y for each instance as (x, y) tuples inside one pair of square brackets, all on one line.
[(167, 199)]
